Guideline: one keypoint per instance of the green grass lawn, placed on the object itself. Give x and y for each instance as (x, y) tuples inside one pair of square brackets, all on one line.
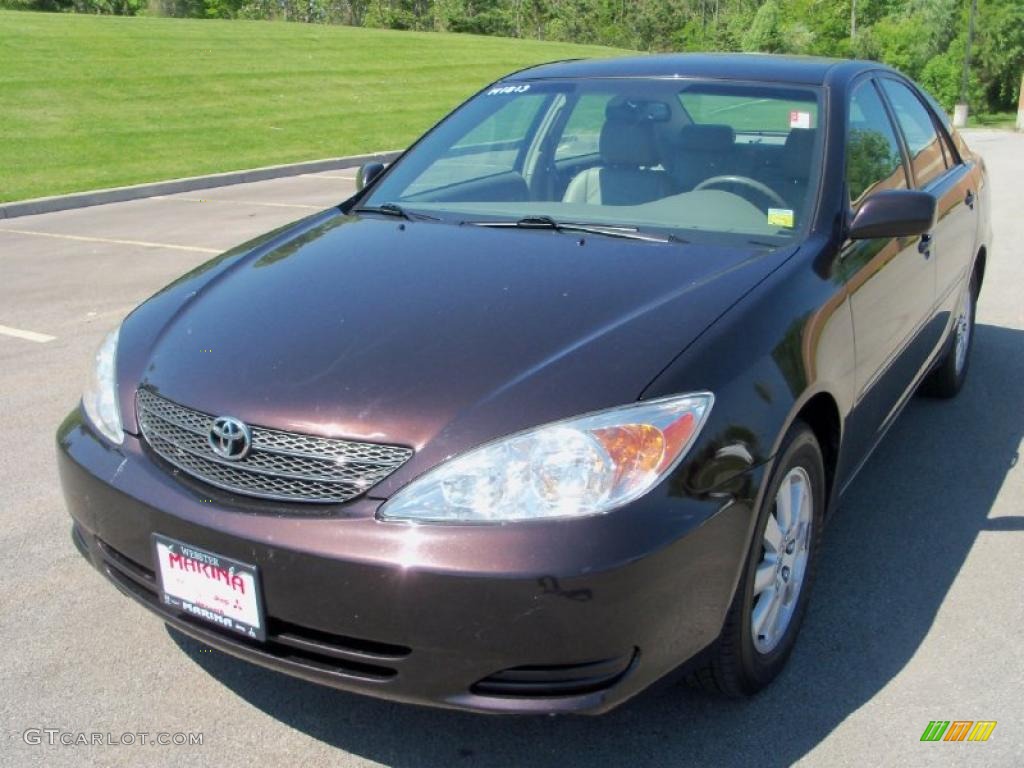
[(992, 120), (90, 101)]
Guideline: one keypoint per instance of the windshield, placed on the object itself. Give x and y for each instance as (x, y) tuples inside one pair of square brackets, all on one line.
[(689, 157)]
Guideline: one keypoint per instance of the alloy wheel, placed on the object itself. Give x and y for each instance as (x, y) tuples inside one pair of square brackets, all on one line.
[(783, 566), (963, 331)]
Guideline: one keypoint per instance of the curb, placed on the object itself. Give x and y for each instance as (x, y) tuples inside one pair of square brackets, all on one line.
[(188, 184)]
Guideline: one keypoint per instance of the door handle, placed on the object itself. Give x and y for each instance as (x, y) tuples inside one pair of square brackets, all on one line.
[(969, 199), (924, 245)]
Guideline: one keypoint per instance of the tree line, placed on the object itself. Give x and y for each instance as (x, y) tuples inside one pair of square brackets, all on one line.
[(926, 39)]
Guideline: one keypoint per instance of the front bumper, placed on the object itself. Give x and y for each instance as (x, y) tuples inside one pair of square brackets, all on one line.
[(570, 616)]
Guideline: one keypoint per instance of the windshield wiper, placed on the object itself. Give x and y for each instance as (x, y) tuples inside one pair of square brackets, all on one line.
[(547, 222), (394, 209)]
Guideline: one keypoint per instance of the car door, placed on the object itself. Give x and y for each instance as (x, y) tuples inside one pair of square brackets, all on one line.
[(937, 168), (890, 281)]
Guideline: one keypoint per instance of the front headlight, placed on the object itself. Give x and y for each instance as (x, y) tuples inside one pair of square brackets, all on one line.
[(100, 396), (582, 466)]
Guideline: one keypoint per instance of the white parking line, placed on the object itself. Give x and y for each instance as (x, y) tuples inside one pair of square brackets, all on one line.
[(241, 202), (82, 238), (17, 333)]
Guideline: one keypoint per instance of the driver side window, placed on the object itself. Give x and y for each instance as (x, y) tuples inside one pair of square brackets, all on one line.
[(873, 158)]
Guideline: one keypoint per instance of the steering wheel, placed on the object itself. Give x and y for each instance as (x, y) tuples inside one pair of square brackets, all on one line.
[(743, 181)]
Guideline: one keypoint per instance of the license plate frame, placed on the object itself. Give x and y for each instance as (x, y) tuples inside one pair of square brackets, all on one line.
[(209, 587)]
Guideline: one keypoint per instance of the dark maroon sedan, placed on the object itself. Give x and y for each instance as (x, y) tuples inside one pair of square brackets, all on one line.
[(556, 403)]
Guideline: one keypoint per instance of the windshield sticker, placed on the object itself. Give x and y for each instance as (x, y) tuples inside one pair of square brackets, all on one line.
[(780, 217), (799, 119), (501, 90)]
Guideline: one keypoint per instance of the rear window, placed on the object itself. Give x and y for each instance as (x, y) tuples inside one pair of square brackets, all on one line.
[(749, 113)]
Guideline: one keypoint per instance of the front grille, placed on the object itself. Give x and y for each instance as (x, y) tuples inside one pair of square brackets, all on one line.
[(351, 657), (280, 465)]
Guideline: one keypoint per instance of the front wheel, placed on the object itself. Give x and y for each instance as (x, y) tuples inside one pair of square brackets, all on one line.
[(765, 616)]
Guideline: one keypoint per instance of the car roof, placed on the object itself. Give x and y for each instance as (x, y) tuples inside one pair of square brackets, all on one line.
[(804, 70)]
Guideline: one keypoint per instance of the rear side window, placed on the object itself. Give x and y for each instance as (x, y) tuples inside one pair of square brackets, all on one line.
[(873, 159), (926, 154)]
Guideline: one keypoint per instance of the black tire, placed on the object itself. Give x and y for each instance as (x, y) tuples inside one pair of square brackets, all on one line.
[(946, 380), (733, 665)]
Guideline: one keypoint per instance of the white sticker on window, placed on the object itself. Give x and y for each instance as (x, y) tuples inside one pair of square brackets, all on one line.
[(799, 119), (501, 90)]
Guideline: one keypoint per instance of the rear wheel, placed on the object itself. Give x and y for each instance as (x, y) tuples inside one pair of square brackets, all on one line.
[(764, 619), (949, 375)]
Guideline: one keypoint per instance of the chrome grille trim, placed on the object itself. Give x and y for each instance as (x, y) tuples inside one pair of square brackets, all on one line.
[(284, 466)]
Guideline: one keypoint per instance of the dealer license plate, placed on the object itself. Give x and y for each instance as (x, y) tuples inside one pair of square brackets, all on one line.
[(210, 587)]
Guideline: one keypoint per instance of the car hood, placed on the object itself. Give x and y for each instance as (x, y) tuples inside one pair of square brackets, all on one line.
[(435, 336)]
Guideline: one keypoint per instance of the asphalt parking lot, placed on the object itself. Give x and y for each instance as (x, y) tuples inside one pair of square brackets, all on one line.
[(918, 612)]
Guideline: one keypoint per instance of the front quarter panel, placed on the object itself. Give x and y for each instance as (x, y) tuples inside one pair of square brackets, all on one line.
[(787, 341)]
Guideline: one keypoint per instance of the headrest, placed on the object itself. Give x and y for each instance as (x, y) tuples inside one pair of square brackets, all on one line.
[(796, 154), (628, 143), (635, 110), (707, 138)]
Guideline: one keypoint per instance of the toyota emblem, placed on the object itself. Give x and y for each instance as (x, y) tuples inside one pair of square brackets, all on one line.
[(230, 438)]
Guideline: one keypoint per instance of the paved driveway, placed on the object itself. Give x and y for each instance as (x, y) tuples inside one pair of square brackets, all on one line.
[(918, 613)]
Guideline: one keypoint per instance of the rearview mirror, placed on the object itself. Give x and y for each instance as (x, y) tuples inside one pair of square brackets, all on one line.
[(367, 173), (894, 213)]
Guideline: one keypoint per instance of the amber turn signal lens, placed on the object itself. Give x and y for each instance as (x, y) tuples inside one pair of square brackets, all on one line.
[(640, 449), (633, 448)]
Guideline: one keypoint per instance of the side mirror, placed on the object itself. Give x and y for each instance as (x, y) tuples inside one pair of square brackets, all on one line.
[(894, 213), (367, 173)]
